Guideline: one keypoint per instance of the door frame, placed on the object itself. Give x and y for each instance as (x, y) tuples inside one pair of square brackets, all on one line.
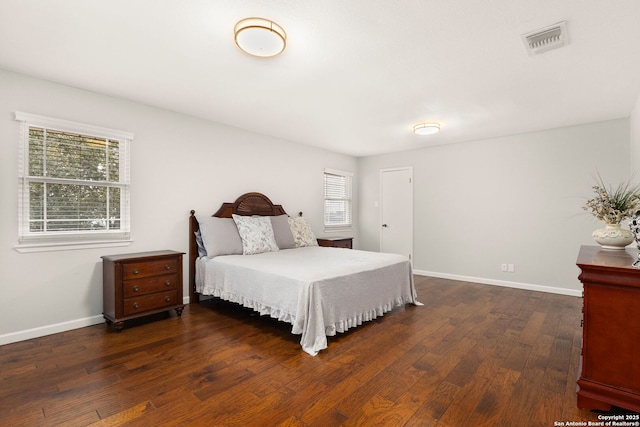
[(382, 171)]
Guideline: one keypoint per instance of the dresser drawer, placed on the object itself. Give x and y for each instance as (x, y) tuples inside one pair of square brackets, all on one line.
[(149, 302), (149, 285), (342, 244), (136, 270), (336, 242)]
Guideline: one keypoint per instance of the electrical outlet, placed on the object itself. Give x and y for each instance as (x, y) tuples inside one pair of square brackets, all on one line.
[(503, 267), (511, 268)]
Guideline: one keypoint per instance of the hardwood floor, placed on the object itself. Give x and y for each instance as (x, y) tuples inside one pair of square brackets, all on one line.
[(472, 355)]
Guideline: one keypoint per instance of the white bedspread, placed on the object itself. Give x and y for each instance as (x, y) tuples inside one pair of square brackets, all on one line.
[(318, 290)]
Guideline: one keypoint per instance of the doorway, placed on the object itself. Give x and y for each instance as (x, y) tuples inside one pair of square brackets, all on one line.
[(396, 211)]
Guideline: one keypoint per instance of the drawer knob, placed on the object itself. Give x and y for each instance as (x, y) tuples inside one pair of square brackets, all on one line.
[(136, 305), (167, 299), (167, 266), (136, 271), (167, 283), (136, 289)]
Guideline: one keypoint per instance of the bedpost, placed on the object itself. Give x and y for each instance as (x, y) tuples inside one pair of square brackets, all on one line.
[(193, 255)]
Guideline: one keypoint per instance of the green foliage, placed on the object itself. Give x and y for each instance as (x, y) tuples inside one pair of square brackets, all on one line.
[(71, 182)]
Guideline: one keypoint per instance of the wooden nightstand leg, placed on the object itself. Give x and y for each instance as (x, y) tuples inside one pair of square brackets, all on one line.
[(179, 310), (118, 326)]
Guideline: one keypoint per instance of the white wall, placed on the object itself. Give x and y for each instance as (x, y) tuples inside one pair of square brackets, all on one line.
[(179, 163), (514, 199), (635, 140)]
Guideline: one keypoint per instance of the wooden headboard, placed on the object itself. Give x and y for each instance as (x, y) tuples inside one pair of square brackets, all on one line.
[(247, 204)]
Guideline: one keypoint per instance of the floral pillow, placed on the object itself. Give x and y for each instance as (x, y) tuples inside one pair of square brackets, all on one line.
[(256, 234), (302, 233)]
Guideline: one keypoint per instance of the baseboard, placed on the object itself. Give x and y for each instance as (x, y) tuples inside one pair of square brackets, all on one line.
[(49, 329), (56, 328), (504, 283), (94, 320)]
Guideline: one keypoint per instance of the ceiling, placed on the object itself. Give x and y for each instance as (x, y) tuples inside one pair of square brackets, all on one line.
[(355, 75)]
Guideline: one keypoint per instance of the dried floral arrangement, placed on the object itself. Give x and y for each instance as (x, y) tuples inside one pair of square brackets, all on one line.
[(612, 205)]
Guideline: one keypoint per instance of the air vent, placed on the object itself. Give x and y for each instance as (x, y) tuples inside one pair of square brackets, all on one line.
[(552, 37)]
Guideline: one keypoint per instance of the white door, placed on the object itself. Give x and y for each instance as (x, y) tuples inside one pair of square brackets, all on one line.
[(396, 211)]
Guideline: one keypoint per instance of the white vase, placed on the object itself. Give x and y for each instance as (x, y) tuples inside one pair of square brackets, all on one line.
[(612, 236)]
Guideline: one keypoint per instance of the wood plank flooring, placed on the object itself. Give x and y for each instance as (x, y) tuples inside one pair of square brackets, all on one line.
[(473, 355)]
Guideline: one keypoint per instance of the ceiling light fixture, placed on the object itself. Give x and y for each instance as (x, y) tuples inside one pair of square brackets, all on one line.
[(426, 128), (260, 37)]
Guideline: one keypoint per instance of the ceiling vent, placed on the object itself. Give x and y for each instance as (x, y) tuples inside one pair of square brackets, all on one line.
[(552, 37)]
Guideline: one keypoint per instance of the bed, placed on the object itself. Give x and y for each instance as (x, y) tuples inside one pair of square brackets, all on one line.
[(275, 267)]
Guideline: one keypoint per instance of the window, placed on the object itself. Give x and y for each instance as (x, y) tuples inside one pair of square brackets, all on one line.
[(337, 199), (73, 186)]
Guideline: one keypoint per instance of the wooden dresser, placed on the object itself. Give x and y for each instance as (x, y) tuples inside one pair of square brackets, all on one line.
[(610, 373), (336, 242), (139, 284)]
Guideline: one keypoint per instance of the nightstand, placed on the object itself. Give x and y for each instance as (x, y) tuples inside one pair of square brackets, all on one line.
[(336, 242), (140, 284)]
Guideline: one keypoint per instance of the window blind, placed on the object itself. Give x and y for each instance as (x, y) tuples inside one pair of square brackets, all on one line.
[(337, 198)]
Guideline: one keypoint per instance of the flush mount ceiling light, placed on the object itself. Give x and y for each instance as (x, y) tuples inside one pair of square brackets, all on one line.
[(260, 37), (426, 128)]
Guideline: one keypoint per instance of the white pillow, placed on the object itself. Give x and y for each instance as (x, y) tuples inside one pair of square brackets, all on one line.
[(256, 234), (302, 233), (282, 232), (219, 235)]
